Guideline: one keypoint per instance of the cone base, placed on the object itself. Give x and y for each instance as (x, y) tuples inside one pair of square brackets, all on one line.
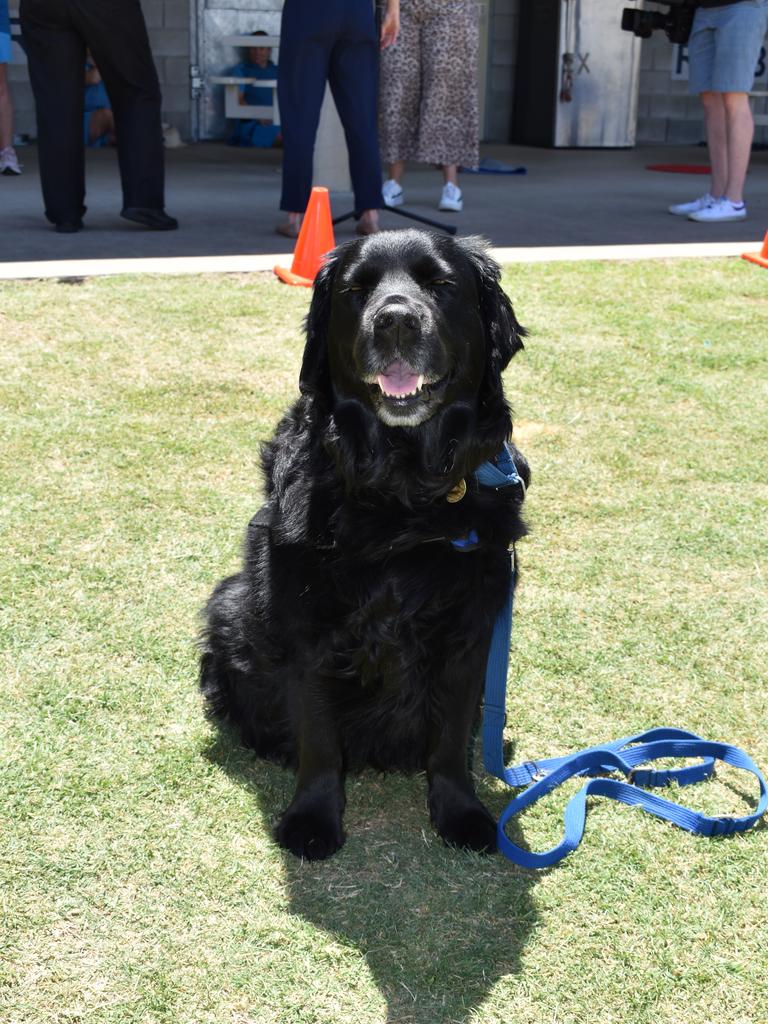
[(288, 277), (760, 258)]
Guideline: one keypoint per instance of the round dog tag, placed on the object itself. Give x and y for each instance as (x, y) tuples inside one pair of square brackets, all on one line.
[(457, 493)]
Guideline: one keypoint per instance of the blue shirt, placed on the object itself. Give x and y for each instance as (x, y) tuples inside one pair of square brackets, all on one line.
[(252, 94)]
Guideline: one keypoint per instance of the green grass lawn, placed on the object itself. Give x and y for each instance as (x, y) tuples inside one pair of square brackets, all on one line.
[(139, 883)]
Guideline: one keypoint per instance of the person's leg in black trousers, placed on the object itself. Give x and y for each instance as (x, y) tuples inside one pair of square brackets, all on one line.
[(56, 33), (117, 38), (56, 58)]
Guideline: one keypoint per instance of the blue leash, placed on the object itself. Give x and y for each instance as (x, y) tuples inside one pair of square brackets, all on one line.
[(623, 755)]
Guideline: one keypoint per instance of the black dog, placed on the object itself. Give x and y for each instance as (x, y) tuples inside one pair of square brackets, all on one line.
[(356, 633)]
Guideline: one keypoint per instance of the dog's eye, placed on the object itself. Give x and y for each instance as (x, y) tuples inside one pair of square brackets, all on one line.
[(440, 282), (355, 288)]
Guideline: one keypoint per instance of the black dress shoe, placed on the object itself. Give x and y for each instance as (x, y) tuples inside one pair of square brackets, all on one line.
[(69, 227), (156, 220)]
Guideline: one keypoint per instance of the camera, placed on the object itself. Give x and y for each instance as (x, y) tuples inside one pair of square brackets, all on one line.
[(676, 22)]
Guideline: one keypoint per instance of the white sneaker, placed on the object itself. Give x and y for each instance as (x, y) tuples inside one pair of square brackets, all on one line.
[(9, 162), (451, 198), (392, 193), (721, 210), (684, 209)]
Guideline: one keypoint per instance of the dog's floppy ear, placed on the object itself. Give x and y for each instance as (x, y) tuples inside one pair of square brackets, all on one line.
[(504, 333), (315, 377)]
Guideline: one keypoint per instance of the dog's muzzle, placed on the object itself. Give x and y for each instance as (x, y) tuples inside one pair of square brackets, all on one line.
[(399, 364), (396, 327)]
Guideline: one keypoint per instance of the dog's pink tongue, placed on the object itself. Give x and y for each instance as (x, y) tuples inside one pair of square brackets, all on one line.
[(399, 379)]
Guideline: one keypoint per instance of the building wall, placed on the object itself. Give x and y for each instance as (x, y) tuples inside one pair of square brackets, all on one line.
[(502, 57), (168, 24), (666, 112)]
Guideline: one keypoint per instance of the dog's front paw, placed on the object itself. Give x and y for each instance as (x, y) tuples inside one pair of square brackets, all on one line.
[(470, 830), (309, 834), (460, 818)]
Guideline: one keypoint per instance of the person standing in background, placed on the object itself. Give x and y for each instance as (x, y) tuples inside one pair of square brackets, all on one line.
[(9, 162), (428, 104), (723, 49), (335, 41), (56, 34)]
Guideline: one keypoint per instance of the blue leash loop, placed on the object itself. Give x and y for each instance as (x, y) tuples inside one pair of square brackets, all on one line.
[(624, 755)]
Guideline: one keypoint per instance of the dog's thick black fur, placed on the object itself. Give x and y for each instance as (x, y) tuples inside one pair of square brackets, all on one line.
[(356, 634)]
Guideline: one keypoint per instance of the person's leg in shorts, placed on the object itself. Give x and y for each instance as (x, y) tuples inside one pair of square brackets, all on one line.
[(722, 54)]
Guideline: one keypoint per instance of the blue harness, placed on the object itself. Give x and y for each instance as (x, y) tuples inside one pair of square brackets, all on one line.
[(596, 763)]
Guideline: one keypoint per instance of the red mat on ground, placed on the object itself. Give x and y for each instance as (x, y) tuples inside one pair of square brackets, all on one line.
[(679, 168)]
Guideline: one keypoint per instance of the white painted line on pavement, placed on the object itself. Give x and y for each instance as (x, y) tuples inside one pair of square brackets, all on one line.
[(253, 264)]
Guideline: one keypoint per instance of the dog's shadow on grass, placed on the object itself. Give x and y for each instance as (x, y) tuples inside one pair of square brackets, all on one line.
[(437, 927)]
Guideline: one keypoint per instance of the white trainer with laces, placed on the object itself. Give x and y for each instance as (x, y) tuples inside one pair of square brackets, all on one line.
[(9, 162), (720, 211), (392, 193), (686, 209), (451, 199)]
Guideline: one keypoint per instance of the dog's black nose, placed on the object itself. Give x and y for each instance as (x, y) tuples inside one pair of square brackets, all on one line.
[(396, 322)]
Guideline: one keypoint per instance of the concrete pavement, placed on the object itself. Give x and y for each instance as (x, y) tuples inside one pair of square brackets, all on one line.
[(227, 199)]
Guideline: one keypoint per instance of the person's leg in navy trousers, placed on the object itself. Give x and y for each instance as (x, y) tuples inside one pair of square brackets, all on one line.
[(306, 36), (354, 76), (335, 42)]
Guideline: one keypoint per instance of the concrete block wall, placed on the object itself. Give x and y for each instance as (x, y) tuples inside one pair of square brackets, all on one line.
[(666, 111), (168, 24), (504, 17)]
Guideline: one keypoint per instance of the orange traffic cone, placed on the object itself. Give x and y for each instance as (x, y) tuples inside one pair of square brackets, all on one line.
[(314, 241), (760, 258)]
